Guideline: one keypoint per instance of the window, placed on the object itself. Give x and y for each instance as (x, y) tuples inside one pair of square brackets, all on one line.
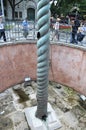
[(5, 13), (20, 14), (16, 14)]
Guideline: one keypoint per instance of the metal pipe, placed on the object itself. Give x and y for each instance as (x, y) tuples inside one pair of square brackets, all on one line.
[(43, 16)]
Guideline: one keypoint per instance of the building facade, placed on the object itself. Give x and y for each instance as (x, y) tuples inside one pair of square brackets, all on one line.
[(26, 8)]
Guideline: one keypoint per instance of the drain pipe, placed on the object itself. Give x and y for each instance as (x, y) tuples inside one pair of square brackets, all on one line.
[(43, 24)]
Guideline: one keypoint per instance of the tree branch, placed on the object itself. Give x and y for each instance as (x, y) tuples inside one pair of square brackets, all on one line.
[(10, 3), (18, 2)]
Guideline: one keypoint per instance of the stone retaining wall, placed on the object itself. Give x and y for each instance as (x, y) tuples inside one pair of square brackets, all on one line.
[(67, 65)]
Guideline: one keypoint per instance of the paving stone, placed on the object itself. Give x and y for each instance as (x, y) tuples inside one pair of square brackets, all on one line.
[(70, 118), (19, 121), (6, 124), (64, 101)]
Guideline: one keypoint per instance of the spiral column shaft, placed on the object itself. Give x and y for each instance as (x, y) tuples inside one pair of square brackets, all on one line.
[(43, 15)]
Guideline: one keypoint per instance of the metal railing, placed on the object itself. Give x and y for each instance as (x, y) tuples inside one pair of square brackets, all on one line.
[(14, 32), (64, 36)]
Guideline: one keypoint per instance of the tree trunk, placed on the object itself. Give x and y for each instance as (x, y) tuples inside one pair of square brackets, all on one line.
[(13, 13)]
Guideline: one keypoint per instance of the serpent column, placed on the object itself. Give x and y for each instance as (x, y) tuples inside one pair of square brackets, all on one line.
[(43, 24)]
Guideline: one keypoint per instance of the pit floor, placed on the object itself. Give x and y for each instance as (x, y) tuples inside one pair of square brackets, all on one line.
[(66, 102)]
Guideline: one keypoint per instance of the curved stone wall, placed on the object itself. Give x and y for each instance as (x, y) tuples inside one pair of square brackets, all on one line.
[(67, 65)]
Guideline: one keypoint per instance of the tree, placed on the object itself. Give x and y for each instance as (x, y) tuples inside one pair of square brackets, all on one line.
[(55, 8), (13, 4), (64, 6)]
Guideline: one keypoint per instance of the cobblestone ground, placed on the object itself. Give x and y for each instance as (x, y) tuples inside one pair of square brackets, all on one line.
[(65, 102)]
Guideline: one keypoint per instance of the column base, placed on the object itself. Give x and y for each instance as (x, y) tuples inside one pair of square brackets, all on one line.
[(51, 123)]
